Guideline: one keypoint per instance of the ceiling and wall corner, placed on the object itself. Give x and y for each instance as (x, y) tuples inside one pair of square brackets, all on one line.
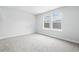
[(33, 9)]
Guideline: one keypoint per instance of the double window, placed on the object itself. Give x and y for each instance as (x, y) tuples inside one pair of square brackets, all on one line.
[(53, 21)]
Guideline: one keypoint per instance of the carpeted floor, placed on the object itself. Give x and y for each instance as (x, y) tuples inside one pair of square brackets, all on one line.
[(36, 43)]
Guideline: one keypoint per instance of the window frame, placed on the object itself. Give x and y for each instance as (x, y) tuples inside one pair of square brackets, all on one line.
[(51, 21), (44, 22)]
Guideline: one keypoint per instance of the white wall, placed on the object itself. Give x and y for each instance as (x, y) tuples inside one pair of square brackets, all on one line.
[(14, 22), (70, 25)]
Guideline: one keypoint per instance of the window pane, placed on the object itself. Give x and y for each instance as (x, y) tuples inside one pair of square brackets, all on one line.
[(46, 25), (57, 24), (47, 22), (57, 20)]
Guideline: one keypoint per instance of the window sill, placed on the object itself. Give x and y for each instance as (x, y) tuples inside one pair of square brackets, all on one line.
[(56, 30), (52, 29)]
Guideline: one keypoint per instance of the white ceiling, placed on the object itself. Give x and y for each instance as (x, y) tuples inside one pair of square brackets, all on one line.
[(35, 9)]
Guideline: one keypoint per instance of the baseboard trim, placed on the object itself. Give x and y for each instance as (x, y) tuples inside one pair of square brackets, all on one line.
[(12, 36), (59, 38)]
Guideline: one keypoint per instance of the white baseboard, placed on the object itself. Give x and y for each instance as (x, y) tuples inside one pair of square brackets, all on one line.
[(10, 35), (65, 39)]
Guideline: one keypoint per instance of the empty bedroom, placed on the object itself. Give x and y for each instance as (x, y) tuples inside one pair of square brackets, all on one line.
[(39, 28)]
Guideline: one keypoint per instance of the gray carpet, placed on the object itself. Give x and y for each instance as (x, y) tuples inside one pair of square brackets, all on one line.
[(36, 43)]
